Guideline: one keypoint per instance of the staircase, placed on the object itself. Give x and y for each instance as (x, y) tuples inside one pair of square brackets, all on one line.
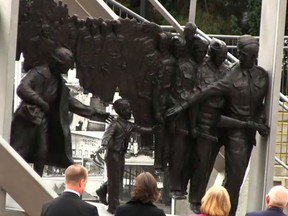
[(280, 173)]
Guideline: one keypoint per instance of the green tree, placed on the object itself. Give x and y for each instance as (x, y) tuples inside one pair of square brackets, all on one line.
[(254, 16)]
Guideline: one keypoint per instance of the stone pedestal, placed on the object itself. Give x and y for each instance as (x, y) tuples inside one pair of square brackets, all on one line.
[(180, 207)]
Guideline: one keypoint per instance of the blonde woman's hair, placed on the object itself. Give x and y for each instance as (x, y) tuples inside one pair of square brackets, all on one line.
[(216, 202)]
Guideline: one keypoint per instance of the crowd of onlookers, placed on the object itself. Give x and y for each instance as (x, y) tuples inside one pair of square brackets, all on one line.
[(216, 201)]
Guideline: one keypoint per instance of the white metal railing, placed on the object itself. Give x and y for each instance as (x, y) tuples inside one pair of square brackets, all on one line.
[(284, 99), (281, 163), (123, 9)]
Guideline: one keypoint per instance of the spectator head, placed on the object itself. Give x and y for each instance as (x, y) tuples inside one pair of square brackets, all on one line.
[(145, 188), (76, 177), (216, 202), (277, 196)]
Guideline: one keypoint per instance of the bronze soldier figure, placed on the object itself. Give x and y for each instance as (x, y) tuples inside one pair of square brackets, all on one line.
[(208, 115), (161, 100), (245, 88), (182, 144)]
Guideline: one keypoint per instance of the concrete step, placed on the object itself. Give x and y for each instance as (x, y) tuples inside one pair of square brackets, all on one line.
[(282, 116), (280, 171), (282, 127), (281, 149), (282, 138)]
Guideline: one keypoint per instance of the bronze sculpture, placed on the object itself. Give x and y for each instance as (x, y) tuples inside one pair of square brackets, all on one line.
[(208, 114), (162, 86), (115, 141), (125, 55), (40, 128), (245, 88), (180, 125)]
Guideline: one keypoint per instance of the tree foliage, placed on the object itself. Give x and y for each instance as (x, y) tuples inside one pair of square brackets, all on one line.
[(254, 16), (212, 16)]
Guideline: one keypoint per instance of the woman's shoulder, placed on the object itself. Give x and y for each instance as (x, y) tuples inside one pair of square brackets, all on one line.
[(199, 214), (136, 204)]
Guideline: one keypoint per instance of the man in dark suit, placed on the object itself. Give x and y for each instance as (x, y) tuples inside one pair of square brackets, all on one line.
[(276, 200), (70, 203)]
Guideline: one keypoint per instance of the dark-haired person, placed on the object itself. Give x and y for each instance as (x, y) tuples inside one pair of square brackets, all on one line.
[(115, 140), (143, 195), (70, 203)]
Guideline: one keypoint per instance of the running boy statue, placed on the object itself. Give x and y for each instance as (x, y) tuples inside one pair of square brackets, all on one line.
[(115, 141)]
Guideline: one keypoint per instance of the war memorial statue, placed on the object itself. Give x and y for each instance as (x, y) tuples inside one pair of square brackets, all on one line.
[(182, 83), (115, 142), (40, 126), (245, 87)]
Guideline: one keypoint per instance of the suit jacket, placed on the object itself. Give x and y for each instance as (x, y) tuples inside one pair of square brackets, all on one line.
[(68, 204), (272, 211), (137, 208)]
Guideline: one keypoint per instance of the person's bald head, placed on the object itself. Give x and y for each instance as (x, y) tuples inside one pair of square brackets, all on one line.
[(277, 196), (76, 177)]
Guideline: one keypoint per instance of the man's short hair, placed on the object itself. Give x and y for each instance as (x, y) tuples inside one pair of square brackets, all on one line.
[(75, 173), (278, 196)]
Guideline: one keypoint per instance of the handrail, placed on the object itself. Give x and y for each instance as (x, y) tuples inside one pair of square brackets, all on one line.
[(281, 163), (126, 10), (169, 18), (284, 99), (283, 105)]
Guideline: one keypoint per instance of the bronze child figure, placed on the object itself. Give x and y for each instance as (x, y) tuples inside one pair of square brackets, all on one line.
[(115, 141)]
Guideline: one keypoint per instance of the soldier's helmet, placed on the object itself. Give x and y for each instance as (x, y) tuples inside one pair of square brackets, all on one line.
[(217, 46)]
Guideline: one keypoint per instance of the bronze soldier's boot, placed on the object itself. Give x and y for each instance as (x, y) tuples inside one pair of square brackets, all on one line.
[(195, 207), (102, 192)]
